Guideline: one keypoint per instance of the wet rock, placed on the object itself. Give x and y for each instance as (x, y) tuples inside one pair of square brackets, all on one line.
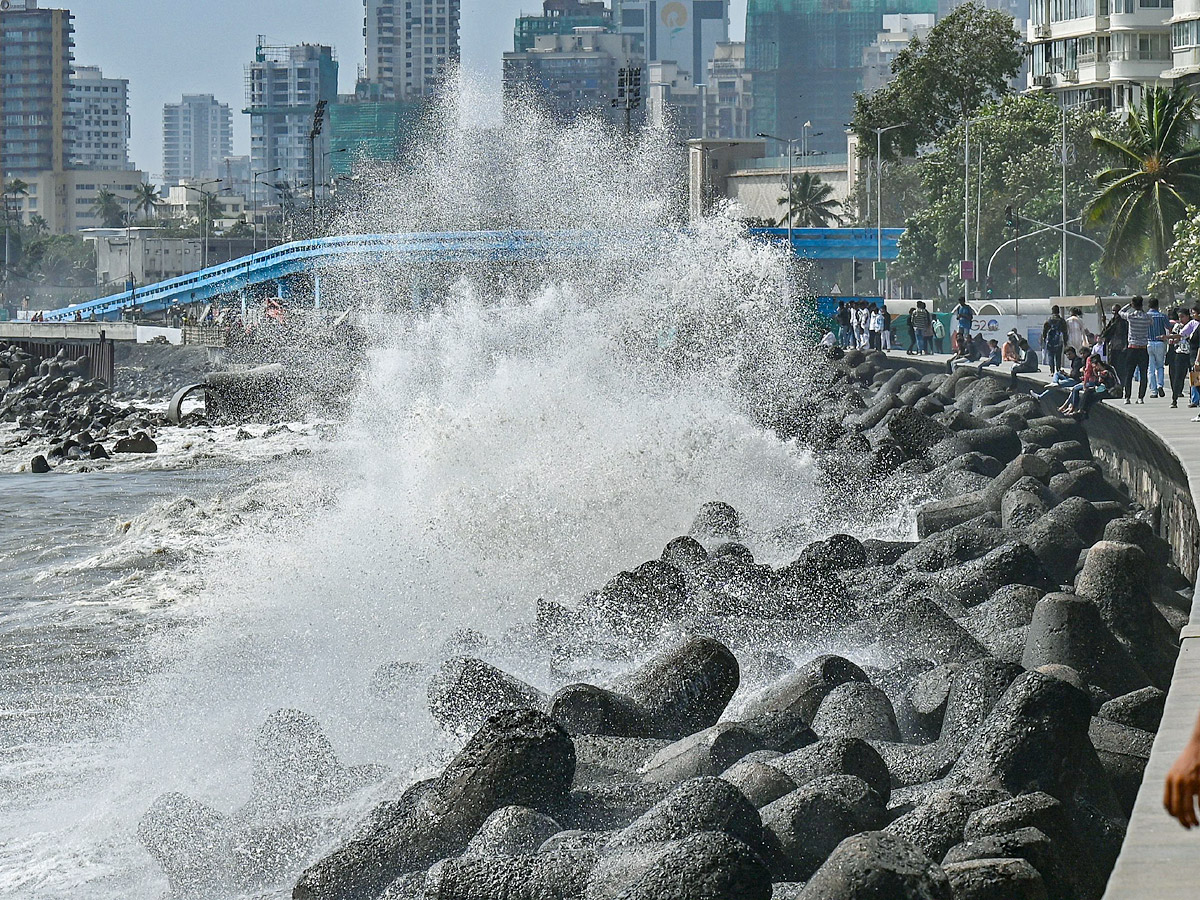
[(807, 824), (512, 831), (465, 691), (915, 433), (996, 879), (1138, 709), (759, 782), (1027, 844), (685, 553), (398, 679), (610, 805), (1067, 629), (936, 823), (1014, 562), (875, 865), (185, 838), (543, 876), (1124, 753), (138, 443), (837, 756), (702, 804), (919, 627), (601, 757), (672, 696), (717, 520), (518, 758), (857, 710), (38, 465), (702, 866), (709, 752), (782, 712), (923, 706)]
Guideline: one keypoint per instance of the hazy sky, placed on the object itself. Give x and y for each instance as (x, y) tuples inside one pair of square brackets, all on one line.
[(167, 48)]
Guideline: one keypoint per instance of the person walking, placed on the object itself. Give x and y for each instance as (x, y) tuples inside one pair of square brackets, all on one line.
[(1156, 348), (922, 324), (875, 327), (1137, 357), (1054, 338), (939, 335), (1077, 332), (912, 333)]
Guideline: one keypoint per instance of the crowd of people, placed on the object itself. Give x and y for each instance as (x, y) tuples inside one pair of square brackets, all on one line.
[(1139, 346)]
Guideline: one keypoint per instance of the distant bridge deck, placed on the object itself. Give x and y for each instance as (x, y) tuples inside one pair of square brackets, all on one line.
[(320, 254)]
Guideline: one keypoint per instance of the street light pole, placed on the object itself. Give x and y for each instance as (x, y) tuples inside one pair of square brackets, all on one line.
[(787, 143), (254, 215), (204, 195)]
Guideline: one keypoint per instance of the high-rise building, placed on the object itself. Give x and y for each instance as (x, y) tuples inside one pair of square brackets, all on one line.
[(411, 46), (685, 32), (560, 17), (197, 136), (722, 99), (898, 31), (729, 95), (1100, 51), (100, 119), (572, 75), (36, 53), (284, 86), (806, 61)]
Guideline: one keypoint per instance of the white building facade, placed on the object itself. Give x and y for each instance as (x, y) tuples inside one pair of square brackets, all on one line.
[(1099, 50), (411, 46), (197, 136), (100, 118), (1185, 43)]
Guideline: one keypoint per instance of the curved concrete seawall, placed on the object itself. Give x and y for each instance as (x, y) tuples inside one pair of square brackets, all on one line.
[(1153, 453)]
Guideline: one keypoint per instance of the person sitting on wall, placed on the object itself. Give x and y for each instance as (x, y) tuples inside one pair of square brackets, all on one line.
[(1108, 385), (1065, 378), (1091, 377), (1012, 347), (965, 356), (981, 345), (1027, 365), (993, 357)]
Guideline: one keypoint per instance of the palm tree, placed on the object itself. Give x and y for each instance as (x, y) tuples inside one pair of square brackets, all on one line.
[(1154, 177), (812, 203), (146, 199), (38, 225), (107, 208)]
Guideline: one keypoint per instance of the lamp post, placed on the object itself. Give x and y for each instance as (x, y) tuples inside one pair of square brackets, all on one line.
[(787, 143), (879, 133), (254, 198), (318, 123), (326, 162), (204, 195)]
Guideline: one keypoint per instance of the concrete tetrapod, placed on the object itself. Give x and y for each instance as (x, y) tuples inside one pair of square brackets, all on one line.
[(874, 865)]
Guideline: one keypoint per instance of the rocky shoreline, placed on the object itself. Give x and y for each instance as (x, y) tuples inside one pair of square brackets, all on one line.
[(980, 734)]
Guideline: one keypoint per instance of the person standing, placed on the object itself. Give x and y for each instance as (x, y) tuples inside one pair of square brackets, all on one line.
[(1137, 357), (912, 334), (864, 326), (875, 326), (939, 335), (1054, 337), (1156, 348), (1115, 337), (886, 334), (1077, 332), (964, 316), (1181, 356), (921, 323), (845, 333)]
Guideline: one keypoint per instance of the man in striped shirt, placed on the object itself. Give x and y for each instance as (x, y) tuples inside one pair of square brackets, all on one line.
[(1136, 356), (1156, 348)]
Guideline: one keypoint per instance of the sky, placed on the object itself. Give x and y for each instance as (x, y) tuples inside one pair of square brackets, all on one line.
[(167, 48)]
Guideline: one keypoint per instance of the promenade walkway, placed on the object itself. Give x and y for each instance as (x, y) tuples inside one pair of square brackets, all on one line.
[(1159, 860)]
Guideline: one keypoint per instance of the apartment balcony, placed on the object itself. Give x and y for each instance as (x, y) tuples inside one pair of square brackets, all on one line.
[(1069, 28), (1185, 61), (1131, 66), (1140, 20), (1093, 68)]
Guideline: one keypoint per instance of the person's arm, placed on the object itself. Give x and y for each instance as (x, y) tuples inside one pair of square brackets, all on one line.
[(1183, 783)]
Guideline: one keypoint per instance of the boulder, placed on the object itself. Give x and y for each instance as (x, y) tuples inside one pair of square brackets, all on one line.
[(518, 758), (702, 804), (464, 691), (512, 831), (809, 823), (38, 465), (760, 782), (717, 520), (857, 710), (915, 433), (709, 752), (995, 879), (1138, 709), (782, 712), (1124, 753), (1026, 844), (919, 627), (876, 865), (837, 756), (139, 442)]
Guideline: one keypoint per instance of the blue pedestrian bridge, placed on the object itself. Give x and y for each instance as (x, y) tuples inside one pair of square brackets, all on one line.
[(312, 257)]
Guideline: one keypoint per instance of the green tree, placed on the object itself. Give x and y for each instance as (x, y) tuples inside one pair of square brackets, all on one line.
[(968, 59), (107, 208), (1153, 179), (59, 259), (1015, 163), (1183, 266), (146, 199), (811, 203), (38, 225)]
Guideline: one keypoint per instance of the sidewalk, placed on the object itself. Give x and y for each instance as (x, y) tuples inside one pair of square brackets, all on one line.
[(1159, 860)]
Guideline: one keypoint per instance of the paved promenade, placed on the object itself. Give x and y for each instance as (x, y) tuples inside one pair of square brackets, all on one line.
[(1160, 860)]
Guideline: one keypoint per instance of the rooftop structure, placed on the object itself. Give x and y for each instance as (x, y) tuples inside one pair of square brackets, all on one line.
[(560, 17)]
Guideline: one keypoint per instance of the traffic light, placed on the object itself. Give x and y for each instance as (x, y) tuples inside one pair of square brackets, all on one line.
[(858, 273), (991, 286), (1010, 220)]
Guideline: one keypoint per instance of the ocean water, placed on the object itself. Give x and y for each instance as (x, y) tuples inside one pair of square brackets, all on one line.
[(524, 433)]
